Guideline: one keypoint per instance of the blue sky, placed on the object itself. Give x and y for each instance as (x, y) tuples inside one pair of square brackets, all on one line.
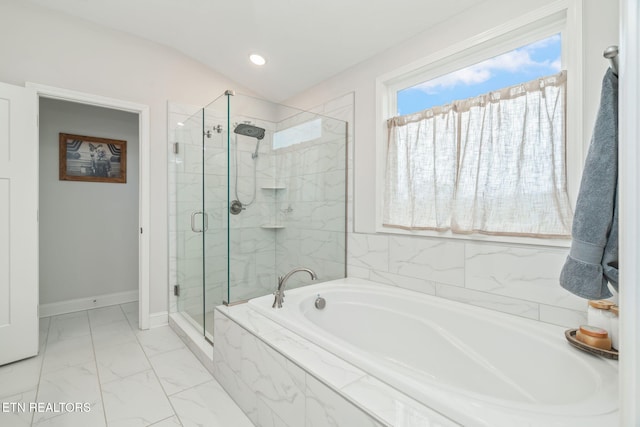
[(526, 63)]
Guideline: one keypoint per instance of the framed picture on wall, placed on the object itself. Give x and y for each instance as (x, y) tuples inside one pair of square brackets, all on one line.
[(87, 158)]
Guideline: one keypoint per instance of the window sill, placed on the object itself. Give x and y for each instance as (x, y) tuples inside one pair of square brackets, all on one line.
[(510, 240)]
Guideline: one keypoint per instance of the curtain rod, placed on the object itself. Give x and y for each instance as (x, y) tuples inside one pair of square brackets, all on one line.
[(611, 53)]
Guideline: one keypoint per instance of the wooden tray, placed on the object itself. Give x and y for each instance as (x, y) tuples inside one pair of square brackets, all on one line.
[(570, 334)]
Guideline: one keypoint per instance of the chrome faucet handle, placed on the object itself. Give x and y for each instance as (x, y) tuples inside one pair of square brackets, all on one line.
[(282, 280), (280, 290), (279, 297)]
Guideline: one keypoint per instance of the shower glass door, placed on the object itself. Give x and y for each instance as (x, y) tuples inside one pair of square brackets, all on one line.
[(201, 214), (216, 208), (260, 190), (190, 220)]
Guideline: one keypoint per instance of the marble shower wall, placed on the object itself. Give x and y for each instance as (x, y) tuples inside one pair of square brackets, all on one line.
[(297, 217), (252, 244), (311, 204)]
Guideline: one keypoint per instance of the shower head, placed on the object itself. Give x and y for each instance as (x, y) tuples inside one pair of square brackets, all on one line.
[(249, 130)]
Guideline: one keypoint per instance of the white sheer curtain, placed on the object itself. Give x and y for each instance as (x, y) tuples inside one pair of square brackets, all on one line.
[(499, 168), (421, 169)]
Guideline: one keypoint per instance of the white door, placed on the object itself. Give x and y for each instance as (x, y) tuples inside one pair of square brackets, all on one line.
[(18, 224)]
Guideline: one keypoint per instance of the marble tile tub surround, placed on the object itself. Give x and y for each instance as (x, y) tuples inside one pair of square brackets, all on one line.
[(520, 280), (279, 379)]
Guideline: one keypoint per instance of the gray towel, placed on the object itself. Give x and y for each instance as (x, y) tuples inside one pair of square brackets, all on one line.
[(593, 259)]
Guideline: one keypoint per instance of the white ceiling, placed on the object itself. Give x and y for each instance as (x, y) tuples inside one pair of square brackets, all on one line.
[(304, 41)]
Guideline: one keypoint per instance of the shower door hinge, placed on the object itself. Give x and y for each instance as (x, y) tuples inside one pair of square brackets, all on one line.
[(176, 290), (176, 147)]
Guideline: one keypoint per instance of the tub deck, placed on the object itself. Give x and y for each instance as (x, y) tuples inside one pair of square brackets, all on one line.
[(468, 363)]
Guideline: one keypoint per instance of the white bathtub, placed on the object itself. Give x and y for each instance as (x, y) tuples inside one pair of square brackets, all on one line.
[(476, 366)]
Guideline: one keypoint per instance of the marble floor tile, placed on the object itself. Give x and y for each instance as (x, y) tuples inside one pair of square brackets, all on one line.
[(208, 405), (137, 400), (105, 315), (19, 377), (159, 340), (168, 422), (67, 326), (44, 334), (72, 384), (99, 357), (67, 353), (120, 361), (179, 370), (17, 417), (112, 334), (131, 312), (93, 418), (130, 307)]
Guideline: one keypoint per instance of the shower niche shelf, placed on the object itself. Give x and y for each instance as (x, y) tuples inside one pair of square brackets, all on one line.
[(272, 226), (273, 187)]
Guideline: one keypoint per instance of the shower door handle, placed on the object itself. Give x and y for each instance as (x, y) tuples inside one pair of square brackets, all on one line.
[(205, 222)]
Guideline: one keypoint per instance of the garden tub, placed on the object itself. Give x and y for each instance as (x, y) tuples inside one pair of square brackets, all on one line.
[(476, 366)]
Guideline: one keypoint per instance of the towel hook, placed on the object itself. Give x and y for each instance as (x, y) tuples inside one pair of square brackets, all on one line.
[(611, 53)]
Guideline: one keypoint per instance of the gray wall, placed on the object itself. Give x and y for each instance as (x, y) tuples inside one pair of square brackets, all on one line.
[(88, 230)]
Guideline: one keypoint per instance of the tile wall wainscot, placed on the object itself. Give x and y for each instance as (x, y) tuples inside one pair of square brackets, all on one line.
[(280, 379), (519, 280)]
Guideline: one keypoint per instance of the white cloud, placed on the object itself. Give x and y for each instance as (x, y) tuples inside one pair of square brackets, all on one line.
[(513, 61), (466, 76)]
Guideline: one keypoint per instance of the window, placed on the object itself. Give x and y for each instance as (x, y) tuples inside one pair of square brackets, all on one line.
[(476, 141), (531, 61), (303, 132), (491, 164)]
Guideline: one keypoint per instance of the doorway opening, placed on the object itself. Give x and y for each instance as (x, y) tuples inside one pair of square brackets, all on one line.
[(94, 244)]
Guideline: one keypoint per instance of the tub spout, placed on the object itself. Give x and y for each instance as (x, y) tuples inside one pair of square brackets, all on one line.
[(282, 283)]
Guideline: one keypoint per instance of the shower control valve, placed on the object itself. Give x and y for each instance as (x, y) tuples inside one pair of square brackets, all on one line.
[(236, 207)]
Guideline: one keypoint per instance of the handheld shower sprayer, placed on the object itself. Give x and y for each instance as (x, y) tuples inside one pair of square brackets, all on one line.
[(258, 133), (255, 153)]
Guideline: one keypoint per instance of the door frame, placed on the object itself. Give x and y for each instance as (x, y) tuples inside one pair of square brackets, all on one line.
[(142, 111), (629, 208)]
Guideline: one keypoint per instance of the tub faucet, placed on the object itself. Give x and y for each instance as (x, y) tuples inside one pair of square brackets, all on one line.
[(282, 282)]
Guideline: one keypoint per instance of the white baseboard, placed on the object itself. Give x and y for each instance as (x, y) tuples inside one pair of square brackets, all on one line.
[(161, 318), (70, 306)]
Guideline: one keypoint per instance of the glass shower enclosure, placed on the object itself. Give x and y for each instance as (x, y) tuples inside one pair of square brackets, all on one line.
[(260, 189)]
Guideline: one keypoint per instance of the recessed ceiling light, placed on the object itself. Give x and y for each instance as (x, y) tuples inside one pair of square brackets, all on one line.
[(257, 59)]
